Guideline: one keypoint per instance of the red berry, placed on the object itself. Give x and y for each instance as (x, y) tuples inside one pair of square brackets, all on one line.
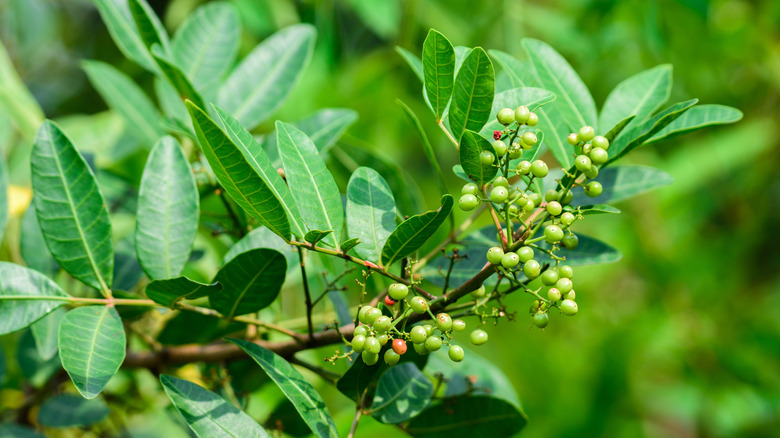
[(496, 135), (389, 301), (399, 346)]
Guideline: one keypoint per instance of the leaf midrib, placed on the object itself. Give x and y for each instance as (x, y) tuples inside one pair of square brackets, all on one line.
[(240, 297), (92, 347), (560, 87)]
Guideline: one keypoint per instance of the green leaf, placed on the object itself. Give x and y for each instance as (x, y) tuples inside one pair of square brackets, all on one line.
[(640, 95), (472, 95), (148, 24), (574, 102), (22, 297), (208, 414), (127, 99), (698, 117), (361, 379), (264, 79), (531, 97), (307, 401), (176, 77), (168, 210), (413, 61), (16, 100), (471, 145), (467, 417), (92, 347), (589, 251), (250, 282), (597, 209), (612, 134), (243, 182), (33, 247), (350, 243), (15, 431), (429, 153), (45, 332), (623, 182), (438, 60), (206, 44), (414, 232), (119, 21), (520, 73), (475, 375), (315, 236), (3, 368), (66, 410), (315, 191), (263, 238), (172, 105), (402, 393), (370, 212), (170, 291), (36, 370), (71, 210)]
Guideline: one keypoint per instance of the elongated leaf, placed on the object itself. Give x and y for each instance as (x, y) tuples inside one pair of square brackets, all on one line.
[(471, 145), (172, 105), (9, 430), (612, 134), (121, 25), (414, 232), (528, 96), (624, 182), (316, 193), (402, 392), (475, 375), (250, 282), (597, 209), (263, 238), (176, 77), (259, 85), (206, 44), (127, 99), (243, 183), (698, 117), (413, 61), (68, 410), (438, 60), (520, 73), (45, 332), (466, 417), (370, 212), (92, 347), (148, 24), (208, 414), (300, 392), (170, 291), (21, 297), (168, 204), (589, 251), (33, 247), (16, 100), (640, 95), (71, 210), (472, 95), (3, 196), (314, 236), (429, 152)]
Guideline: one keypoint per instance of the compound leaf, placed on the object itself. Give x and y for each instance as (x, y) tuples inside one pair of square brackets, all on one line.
[(698, 117), (640, 95)]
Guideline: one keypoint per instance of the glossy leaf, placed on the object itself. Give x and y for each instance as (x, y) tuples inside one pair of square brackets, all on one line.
[(303, 396), (315, 191), (242, 182), (315, 236), (148, 24), (71, 210), (597, 209), (177, 78), (698, 117), (528, 96), (467, 417), (208, 414), (121, 25), (349, 244), (66, 410), (127, 99), (22, 293), (438, 60), (520, 73), (263, 238), (250, 282), (640, 95), (624, 182), (414, 232), (589, 251), (370, 212), (33, 247), (472, 95), (612, 134), (92, 347), (402, 393), (169, 292), (413, 61), (168, 210), (264, 79), (471, 145), (476, 375), (427, 148), (45, 332), (206, 44)]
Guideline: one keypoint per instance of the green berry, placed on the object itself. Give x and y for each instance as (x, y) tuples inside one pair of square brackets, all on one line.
[(418, 335), (469, 189), (600, 142), (515, 152), (552, 195), (433, 343), (362, 313), (499, 194), (420, 349), (398, 291), (478, 337), (570, 241), (554, 294), (370, 358), (358, 343), (458, 325), (539, 169), (500, 182), (495, 254), (514, 210), (549, 277), (586, 148), (567, 199), (541, 319), (479, 293), (530, 139), (372, 314), (510, 260), (419, 305), (565, 271), (569, 307), (553, 233), (382, 324), (399, 346), (391, 357), (531, 269), (533, 119), (428, 330), (554, 208), (583, 163), (505, 116), (524, 167), (535, 198), (525, 253), (468, 202), (486, 158), (564, 285), (571, 295), (592, 173), (567, 218), (598, 156), (529, 205), (573, 138), (444, 322), (372, 345), (500, 148), (360, 330), (522, 113), (456, 353), (593, 189), (383, 338), (586, 133)]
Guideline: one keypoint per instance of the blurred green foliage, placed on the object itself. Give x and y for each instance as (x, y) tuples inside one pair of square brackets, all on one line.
[(682, 337)]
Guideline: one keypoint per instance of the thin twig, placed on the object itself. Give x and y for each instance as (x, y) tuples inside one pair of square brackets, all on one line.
[(452, 139), (306, 292)]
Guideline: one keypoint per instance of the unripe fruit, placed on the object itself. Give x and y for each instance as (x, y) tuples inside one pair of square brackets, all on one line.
[(567, 198), (522, 113), (530, 139), (418, 305), (399, 346), (510, 260), (549, 277), (529, 206), (500, 182), (535, 198), (570, 241), (398, 291), (360, 330), (383, 338), (586, 148), (418, 335), (486, 158), (515, 152), (372, 314), (391, 357), (564, 285), (571, 295), (369, 358), (569, 307), (458, 325), (420, 349), (583, 163), (567, 218), (495, 254), (553, 233), (468, 202), (593, 189), (554, 208), (469, 189), (505, 116), (479, 293), (456, 353), (592, 173), (514, 210), (533, 119), (362, 313), (552, 195), (554, 294), (531, 269), (500, 148), (566, 271), (372, 345), (600, 141), (428, 330), (382, 324), (598, 156), (573, 138), (444, 322), (358, 343), (586, 133), (523, 168), (433, 343), (541, 320), (525, 253), (478, 337), (539, 169), (499, 194)]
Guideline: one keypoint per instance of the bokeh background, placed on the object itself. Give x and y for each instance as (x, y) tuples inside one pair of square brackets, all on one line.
[(679, 339)]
